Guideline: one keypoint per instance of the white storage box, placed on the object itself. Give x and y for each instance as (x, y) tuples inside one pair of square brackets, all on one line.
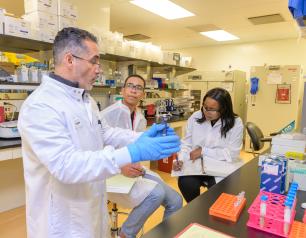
[(16, 27), (66, 22), (49, 6), (42, 20), (2, 19), (67, 9), (295, 142)]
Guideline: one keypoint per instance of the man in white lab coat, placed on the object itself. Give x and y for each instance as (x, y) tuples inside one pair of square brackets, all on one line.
[(65, 164), (149, 192)]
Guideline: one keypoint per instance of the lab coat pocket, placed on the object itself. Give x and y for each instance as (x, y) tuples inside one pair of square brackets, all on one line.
[(59, 217), (82, 218)]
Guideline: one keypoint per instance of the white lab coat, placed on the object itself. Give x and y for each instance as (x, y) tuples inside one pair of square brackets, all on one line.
[(119, 115), (64, 165), (221, 155)]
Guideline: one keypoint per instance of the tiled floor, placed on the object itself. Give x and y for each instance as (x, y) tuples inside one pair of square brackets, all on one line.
[(12, 223)]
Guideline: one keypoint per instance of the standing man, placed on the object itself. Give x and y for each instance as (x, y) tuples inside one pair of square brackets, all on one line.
[(144, 198), (65, 164)]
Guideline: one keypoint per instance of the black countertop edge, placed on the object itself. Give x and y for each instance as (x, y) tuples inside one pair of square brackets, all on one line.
[(10, 143)]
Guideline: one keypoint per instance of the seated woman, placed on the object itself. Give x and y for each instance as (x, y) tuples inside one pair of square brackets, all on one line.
[(211, 145)]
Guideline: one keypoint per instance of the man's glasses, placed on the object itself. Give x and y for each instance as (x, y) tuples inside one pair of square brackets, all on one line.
[(93, 61), (211, 111), (131, 86)]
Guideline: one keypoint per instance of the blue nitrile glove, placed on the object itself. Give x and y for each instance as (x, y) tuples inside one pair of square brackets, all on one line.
[(156, 130), (254, 85), (151, 146)]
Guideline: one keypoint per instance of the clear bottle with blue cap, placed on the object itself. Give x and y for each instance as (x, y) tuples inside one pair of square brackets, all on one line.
[(263, 210), (287, 214)]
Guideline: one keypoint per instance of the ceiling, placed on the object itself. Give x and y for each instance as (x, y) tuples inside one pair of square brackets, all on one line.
[(229, 15)]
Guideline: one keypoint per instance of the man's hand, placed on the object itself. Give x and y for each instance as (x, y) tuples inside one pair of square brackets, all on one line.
[(196, 154), (132, 170), (177, 165)]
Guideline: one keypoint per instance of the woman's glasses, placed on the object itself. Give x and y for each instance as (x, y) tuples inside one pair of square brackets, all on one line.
[(210, 111)]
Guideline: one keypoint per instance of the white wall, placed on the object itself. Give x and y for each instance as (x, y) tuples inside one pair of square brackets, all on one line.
[(93, 14), (243, 56)]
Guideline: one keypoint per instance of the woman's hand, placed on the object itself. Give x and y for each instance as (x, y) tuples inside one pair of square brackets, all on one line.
[(177, 165), (196, 154)]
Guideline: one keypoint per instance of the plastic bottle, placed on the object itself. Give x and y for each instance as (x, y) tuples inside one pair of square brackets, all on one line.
[(287, 215), (263, 210)]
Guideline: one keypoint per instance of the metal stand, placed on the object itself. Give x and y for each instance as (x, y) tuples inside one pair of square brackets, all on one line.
[(114, 220)]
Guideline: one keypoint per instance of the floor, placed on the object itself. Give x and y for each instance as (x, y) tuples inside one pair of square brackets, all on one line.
[(12, 223)]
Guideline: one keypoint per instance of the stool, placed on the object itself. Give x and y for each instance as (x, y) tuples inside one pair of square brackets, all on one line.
[(114, 221)]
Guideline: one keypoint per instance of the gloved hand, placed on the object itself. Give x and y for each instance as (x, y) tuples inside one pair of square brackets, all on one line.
[(156, 130), (152, 146), (254, 85)]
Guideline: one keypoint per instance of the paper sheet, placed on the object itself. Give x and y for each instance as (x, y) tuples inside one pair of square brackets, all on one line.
[(195, 230), (211, 167), (119, 184)]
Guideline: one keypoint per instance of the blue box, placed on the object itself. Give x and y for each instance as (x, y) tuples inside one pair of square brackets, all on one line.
[(273, 175)]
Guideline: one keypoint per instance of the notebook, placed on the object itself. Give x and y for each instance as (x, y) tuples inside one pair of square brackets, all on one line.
[(119, 184)]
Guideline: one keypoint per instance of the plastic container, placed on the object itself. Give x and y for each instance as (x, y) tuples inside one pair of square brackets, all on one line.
[(274, 219), (287, 215), (224, 207), (263, 210)]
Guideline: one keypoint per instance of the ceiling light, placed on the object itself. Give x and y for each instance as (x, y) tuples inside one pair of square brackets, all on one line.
[(163, 8), (219, 35)]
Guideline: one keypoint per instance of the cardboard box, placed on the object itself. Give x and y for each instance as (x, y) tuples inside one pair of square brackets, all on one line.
[(42, 20), (67, 9), (273, 175), (17, 27), (2, 19), (49, 6), (66, 22), (8, 67)]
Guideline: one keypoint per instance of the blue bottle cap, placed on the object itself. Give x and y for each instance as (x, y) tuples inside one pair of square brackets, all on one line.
[(264, 198), (288, 203)]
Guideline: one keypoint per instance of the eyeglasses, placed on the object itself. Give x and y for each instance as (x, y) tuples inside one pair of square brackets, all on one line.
[(131, 86), (211, 111), (93, 61)]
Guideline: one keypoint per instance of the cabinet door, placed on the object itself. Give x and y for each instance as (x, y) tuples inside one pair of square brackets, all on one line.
[(198, 90)]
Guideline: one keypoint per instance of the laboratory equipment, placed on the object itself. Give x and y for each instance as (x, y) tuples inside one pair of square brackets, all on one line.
[(164, 120), (287, 215), (9, 130), (200, 82), (240, 197), (263, 210)]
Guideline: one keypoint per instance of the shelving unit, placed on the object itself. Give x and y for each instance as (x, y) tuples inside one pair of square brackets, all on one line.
[(156, 67), (22, 45)]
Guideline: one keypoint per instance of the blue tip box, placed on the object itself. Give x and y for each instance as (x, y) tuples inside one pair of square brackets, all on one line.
[(273, 174)]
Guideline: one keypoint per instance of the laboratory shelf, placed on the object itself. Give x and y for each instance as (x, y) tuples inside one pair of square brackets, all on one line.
[(22, 45)]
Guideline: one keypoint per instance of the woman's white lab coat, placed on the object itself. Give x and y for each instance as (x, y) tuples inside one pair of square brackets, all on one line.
[(119, 115), (221, 155), (65, 166)]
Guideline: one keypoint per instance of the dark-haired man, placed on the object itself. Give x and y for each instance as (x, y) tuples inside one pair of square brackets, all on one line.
[(150, 191), (68, 152)]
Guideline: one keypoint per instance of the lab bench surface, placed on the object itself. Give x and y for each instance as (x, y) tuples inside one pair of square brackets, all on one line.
[(247, 179), (10, 143)]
